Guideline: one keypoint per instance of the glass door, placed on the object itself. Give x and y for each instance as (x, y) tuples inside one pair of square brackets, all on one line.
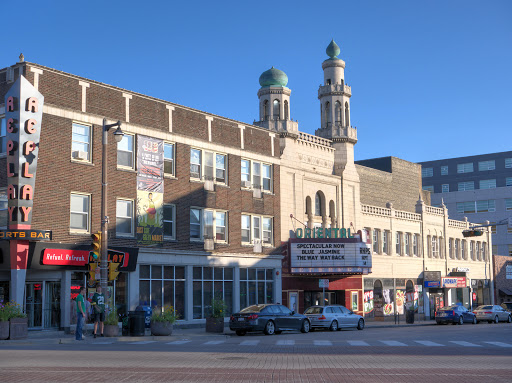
[(52, 305), (34, 304)]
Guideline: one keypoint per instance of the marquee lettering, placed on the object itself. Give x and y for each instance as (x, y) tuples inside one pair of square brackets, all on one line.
[(11, 192), (29, 126), (26, 174), (11, 127), (32, 104), (26, 192), (25, 211), (29, 147), (10, 104)]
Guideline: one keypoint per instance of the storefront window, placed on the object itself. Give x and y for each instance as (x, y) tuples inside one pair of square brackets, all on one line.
[(162, 286), (256, 286), (211, 283)]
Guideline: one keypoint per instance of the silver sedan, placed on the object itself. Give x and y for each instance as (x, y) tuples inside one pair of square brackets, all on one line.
[(492, 314), (333, 317)]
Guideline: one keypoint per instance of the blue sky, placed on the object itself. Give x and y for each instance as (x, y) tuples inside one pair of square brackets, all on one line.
[(429, 79)]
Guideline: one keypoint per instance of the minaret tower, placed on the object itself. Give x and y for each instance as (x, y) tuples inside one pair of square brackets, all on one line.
[(274, 100)]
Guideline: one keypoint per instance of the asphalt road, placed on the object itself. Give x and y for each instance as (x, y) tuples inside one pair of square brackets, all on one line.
[(467, 353)]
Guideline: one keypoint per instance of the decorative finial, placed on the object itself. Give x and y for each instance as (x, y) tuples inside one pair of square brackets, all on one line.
[(333, 49), (22, 58), (420, 199)]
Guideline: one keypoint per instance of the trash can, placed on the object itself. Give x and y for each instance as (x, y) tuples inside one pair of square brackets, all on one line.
[(147, 311), (409, 316), (136, 323)]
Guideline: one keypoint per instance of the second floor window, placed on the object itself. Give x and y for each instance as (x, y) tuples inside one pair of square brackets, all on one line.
[(486, 165), (79, 212), (444, 170), (256, 228), (81, 142), (124, 218), (169, 221), (398, 243), (209, 224), (169, 158), (125, 152), (208, 165), (427, 172), (375, 240), (465, 168), (257, 175)]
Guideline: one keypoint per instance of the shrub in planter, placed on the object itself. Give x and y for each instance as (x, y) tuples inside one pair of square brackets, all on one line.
[(215, 321), (162, 322), (18, 323), (111, 324), (4, 322)]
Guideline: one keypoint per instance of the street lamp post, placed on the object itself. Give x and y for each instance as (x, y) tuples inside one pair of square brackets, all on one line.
[(118, 135)]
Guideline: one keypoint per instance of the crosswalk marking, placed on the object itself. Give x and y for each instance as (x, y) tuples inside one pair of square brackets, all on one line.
[(357, 343), (249, 343), (429, 343), (322, 343), (214, 342), (465, 344), (393, 343), (285, 343), (179, 342), (144, 342), (500, 344)]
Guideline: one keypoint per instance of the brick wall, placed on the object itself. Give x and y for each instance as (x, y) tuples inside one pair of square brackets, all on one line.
[(500, 279)]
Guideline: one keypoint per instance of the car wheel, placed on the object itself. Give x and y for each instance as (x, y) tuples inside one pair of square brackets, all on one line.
[(461, 321), (360, 324), (334, 326), (474, 320), (496, 320), (305, 326), (240, 332), (509, 320), (270, 328)]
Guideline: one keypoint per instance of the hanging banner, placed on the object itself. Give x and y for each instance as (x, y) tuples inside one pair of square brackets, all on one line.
[(150, 189)]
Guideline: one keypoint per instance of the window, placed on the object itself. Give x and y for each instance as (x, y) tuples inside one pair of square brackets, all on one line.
[(445, 188), (463, 249), (261, 174), (211, 283), (124, 218), (487, 184), (486, 165), (508, 163), (427, 172), (162, 286), (478, 253), (508, 203), (472, 250), (463, 186), (169, 158), (415, 245), (3, 136), (79, 212), (385, 248), (195, 163), (257, 228), (3, 209), (450, 248), (493, 227), (256, 286), (407, 244), (456, 250), (444, 170), (169, 221), (375, 240), (508, 181), (355, 301), (435, 248), (209, 224), (398, 244), (509, 229), (276, 110), (465, 168), (318, 205), (510, 250), (429, 188), (208, 165), (125, 152), (81, 142), (476, 206)]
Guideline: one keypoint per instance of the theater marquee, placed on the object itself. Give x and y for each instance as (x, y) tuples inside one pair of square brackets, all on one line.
[(336, 255)]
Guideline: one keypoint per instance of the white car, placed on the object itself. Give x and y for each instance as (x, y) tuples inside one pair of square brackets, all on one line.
[(492, 314), (333, 317)]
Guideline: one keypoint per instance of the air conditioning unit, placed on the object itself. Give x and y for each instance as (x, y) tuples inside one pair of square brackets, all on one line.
[(209, 245), (79, 155), (256, 193), (246, 184), (257, 246), (209, 185)]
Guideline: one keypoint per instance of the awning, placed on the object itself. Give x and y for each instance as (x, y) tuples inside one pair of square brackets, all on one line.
[(506, 291)]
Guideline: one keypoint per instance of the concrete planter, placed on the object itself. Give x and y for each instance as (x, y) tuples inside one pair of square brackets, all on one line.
[(161, 328), (4, 330), (215, 325), (111, 330), (18, 328)]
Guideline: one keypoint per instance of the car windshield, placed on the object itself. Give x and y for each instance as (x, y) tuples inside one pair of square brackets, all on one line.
[(449, 308), (484, 308), (253, 309), (314, 310)]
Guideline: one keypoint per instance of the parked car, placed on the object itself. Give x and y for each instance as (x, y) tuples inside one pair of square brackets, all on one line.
[(455, 314), (333, 317), (507, 306), (269, 318), (492, 314)]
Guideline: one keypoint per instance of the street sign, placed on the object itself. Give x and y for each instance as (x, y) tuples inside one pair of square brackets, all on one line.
[(324, 283)]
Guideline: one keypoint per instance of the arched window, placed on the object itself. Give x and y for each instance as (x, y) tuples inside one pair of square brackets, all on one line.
[(265, 110), (332, 209), (327, 113), (347, 114), (276, 110), (338, 118), (318, 204), (308, 205), (286, 110)]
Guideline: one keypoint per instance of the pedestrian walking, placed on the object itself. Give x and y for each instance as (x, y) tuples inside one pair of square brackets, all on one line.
[(80, 313), (98, 304)]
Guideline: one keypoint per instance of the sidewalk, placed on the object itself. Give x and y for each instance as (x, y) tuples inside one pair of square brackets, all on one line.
[(59, 337)]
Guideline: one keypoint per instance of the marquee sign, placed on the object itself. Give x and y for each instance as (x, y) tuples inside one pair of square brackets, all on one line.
[(330, 256), (32, 235)]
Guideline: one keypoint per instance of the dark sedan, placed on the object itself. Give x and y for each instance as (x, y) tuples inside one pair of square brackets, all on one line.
[(269, 318), (455, 314)]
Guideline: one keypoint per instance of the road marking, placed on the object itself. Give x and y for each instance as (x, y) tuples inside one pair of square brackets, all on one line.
[(500, 344), (215, 342), (144, 342), (429, 343), (357, 343), (393, 343), (285, 343), (179, 342), (249, 343), (465, 344), (322, 343)]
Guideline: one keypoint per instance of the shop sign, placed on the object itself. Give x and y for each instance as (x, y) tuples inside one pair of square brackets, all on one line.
[(461, 269), (65, 257), (432, 283), (509, 271), (474, 296), (368, 301), (31, 235), (320, 232), (335, 255), (323, 283), (454, 282)]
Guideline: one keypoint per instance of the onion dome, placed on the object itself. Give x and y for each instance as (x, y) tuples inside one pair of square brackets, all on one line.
[(273, 77), (333, 50)]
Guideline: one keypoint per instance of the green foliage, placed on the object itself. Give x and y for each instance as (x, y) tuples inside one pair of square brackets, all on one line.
[(112, 318), (168, 314), (10, 310), (218, 308)]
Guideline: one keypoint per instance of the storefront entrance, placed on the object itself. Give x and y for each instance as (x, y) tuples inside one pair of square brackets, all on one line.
[(42, 304), (436, 301)]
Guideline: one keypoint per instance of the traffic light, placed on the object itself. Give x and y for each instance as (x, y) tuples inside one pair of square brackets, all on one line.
[(112, 271), (96, 245), (93, 268), (472, 233)]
